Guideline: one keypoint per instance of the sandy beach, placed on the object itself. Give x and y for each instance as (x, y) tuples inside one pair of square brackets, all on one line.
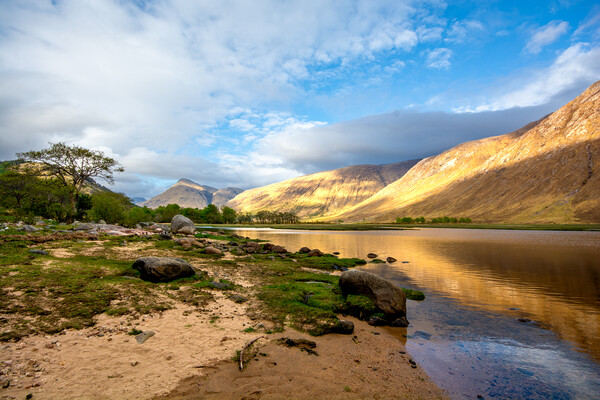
[(190, 354)]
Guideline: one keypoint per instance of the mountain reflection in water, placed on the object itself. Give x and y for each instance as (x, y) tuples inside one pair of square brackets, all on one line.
[(478, 283)]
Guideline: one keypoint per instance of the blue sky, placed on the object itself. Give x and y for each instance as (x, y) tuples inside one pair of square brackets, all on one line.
[(240, 93)]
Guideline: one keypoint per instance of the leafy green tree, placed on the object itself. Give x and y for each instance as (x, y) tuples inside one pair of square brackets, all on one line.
[(111, 207), (229, 215), (213, 215), (136, 215), (73, 166)]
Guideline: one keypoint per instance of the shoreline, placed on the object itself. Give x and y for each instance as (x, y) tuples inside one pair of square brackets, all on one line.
[(403, 227), (195, 343)]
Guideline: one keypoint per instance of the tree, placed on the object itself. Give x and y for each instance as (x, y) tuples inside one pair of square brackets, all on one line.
[(73, 165), (229, 215), (111, 207)]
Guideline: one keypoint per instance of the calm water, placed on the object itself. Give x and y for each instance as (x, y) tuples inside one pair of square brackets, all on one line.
[(478, 283)]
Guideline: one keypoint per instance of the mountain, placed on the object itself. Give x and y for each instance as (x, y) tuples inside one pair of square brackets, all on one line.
[(187, 193), (222, 196), (547, 171), (322, 193)]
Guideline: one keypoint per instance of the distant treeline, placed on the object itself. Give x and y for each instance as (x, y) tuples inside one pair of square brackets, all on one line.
[(440, 220)]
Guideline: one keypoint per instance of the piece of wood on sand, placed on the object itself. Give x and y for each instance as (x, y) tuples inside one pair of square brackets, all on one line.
[(248, 344)]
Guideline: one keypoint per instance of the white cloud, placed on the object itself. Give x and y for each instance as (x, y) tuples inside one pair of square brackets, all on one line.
[(459, 31), (546, 35), (573, 70), (438, 58)]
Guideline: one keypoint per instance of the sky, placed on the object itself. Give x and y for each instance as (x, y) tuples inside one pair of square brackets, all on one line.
[(248, 93)]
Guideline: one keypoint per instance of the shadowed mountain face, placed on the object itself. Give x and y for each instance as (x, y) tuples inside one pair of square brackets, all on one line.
[(548, 171), (187, 193), (323, 193)]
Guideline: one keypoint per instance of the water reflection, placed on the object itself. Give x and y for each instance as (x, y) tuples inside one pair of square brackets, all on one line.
[(552, 278), (478, 282)]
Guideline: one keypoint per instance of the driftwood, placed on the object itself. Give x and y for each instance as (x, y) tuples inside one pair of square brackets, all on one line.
[(248, 344)]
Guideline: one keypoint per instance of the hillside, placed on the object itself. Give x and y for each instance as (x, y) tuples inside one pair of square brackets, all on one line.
[(547, 171), (322, 193), (187, 193)]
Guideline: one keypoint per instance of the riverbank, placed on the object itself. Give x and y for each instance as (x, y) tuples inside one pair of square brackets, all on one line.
[(74, 310)]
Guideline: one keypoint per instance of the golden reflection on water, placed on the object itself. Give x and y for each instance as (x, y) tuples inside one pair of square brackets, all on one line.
[(553, 278)]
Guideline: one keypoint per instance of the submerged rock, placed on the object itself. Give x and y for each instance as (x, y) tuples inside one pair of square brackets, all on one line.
[(163, 269), (386, 296)]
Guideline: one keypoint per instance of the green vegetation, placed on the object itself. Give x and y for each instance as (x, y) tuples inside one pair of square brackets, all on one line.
[(440, 220)]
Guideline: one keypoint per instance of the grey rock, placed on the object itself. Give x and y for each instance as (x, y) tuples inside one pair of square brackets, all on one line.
[(163, 269), (164, 235), (103, 222), (40, 252), (142, 337), (236, 298), (29, 228), (84, 227), (345, 327), (220, 285), (386, 296), (401, 322), (181, 224)]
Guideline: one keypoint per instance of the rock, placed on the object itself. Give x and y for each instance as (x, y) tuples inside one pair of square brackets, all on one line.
[(220, 285), (103, 222), (251, 247), (236, 298), (189, 242), (336, 253), (213, 250), (377, 321), (163, 269), (371, 255), (181, 224), (279, 249), (164, 235), (345, 327), (268, 246), (29, 228), (315, 253), (390, 260), (84, 227), (304, 250), (142, 337), (401, 322), (386, 296), (40, 252), (232, 243)]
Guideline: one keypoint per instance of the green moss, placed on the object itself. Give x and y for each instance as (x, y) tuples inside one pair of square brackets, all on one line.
[(414, 294)]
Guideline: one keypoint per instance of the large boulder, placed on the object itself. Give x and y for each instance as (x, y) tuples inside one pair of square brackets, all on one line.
[(386, 296), (181, 224), (163, 269)]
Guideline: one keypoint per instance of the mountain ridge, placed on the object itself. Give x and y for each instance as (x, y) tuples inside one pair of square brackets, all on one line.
[(543, 172), (322, 193), (187, 193)]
